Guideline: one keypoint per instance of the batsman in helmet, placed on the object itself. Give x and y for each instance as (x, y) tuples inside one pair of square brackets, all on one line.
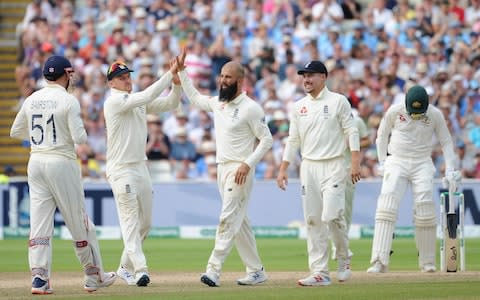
[(404, 152)]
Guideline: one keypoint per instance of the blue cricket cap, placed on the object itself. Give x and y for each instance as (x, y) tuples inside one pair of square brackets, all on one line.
[(315, 66), (55, 67)]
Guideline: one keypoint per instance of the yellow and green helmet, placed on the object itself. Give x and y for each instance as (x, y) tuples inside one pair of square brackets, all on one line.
[(416, 100)]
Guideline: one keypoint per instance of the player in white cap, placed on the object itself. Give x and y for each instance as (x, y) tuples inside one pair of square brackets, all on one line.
[(318, 127), (127, 172), (50, 120), (404, 153)]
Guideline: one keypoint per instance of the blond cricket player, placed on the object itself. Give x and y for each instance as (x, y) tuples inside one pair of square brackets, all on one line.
[(318, 125), (349, 185), (239, 123), (404, 146), (50, 120), (127, 173)]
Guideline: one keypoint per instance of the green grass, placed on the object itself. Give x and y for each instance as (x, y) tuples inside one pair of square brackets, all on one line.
[(192, 255), (175, 255)]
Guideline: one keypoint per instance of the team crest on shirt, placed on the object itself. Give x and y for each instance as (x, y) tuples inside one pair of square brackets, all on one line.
[(235, 115), (426, 120), (303, 111), (402, 118), (325, 112)]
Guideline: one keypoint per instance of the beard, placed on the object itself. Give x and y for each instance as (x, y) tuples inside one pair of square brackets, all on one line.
[(228, 93)]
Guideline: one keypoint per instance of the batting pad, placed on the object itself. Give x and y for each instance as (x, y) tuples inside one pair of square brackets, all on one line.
[(385, 218)]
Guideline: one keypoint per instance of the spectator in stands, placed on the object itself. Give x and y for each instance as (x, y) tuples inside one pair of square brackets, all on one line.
[(158, 150), (182, 154), (444, 41)]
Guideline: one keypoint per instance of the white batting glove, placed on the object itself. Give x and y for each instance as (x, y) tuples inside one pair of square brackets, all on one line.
[(452, 179)]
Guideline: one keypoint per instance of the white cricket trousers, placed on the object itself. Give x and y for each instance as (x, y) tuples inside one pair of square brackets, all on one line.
[(323, 197), (398, 173), (133, 192), (234, 226), (55, 181)]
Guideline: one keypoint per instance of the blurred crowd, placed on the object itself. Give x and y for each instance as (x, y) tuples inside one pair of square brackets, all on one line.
[(374, 51)]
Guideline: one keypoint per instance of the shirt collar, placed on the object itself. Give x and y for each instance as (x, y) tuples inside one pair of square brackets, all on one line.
[(239, 98), (55, 85), (116, 91), (320, 95)]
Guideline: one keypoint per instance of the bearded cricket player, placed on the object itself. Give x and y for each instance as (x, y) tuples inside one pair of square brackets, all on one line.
[(239, 123)]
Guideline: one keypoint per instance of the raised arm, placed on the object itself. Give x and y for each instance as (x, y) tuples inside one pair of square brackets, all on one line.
[(201, 101)]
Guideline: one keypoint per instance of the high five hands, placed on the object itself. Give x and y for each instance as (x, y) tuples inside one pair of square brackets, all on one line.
[(179, 64)]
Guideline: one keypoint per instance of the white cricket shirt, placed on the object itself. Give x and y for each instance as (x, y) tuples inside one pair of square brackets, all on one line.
[(318, 127), (362, 133), (412, 139), (50, 120), (238, 124), (126, 121)]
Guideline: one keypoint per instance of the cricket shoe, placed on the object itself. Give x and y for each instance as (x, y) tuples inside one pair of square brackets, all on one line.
[(429, 268), (93, 283), (41, 287), (128, 277), (344, 271), (315, 280), (377, 267), (210, 279), (142, 279), (253, 278)]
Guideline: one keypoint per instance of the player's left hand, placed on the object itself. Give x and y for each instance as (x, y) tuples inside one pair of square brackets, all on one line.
[(452, 179), (355, 174), (241, 174)]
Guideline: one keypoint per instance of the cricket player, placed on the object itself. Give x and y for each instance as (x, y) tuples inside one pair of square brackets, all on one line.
[(127, 173), (349, 186), (404, 152), (319, 123), (50, 120), (239, 122)]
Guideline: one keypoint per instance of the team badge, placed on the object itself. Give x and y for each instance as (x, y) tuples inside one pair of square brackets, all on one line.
[(416, 104), (303, 111), (402, 118), (235, 115)]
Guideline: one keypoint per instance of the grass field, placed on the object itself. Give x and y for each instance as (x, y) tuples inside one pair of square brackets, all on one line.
[(175, 266)]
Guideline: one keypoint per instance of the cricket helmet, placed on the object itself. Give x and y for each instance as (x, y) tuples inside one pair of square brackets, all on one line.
[(416, 100)]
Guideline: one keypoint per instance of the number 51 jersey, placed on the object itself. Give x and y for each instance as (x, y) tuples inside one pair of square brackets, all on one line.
[(50, 120)]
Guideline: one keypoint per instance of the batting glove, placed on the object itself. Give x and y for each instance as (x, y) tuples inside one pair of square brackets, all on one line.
[(452, 179)]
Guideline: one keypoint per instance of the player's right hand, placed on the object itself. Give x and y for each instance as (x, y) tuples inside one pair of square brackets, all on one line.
[(180, 60), (282, 180), (380, 169)]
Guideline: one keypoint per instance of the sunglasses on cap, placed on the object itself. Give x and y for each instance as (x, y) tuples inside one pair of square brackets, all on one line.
[(117, 68)]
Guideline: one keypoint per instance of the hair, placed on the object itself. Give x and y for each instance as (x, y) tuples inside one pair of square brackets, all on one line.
[(53, 77)]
